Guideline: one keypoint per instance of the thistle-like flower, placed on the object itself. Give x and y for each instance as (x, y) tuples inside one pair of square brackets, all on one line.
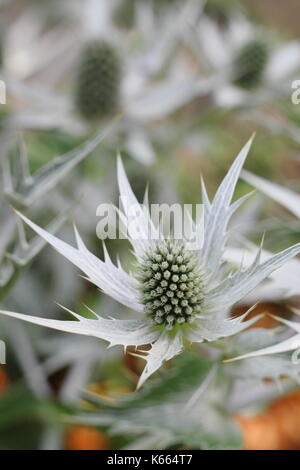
[(180, 294), (246, 65), (146, 88)]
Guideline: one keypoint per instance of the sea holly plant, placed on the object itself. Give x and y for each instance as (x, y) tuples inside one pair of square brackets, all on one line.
[(246, 66), (290, 201), (23, 189), (190, 393), (104, 70), (181, 296)]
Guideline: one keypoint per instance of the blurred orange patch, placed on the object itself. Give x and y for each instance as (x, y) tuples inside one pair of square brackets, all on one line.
[(86, 438), (278, 428), (3, 381), (263, 308)]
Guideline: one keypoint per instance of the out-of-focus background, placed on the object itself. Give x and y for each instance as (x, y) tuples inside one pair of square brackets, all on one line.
[(192, 81)]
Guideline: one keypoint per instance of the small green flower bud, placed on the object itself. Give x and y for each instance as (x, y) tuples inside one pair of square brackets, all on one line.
[(249, 64), (97, 83)]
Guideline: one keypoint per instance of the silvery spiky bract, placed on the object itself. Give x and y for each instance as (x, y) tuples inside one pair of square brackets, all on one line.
[(284, 196), (204, 300), (290, 344), (290, 200)]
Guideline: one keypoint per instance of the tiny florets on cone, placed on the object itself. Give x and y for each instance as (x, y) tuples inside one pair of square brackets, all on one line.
[(171, 284)]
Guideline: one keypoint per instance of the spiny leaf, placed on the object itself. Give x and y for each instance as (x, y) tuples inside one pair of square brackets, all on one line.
[(51, 174)]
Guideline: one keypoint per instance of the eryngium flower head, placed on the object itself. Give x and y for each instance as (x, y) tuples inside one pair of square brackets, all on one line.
[(171, 284), (249, 64), (179, 291), (98, 80)]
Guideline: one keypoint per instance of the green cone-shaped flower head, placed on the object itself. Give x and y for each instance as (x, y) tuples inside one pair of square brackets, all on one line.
[(171, 284), (250, 63), (98, 80)]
